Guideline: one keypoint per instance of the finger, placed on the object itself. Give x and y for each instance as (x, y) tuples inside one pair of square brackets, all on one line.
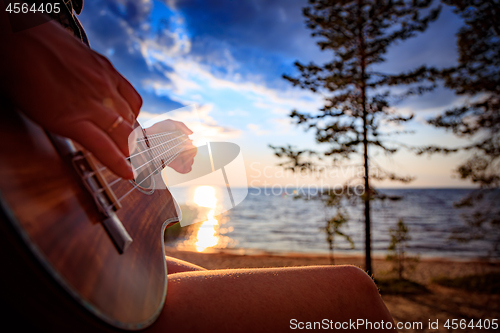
[(161, 127), (104, 114), (117, 104), (180, 167), (191, 151), (191, 155), (189, 144), (182, 127), (129, 94), (109, 122), (185, 161), (185, 158), (132, 140), (120, 136), (186, 165), (170, 125), (102, 147), (124, 88)]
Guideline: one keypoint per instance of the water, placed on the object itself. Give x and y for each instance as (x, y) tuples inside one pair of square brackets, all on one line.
[(281, 224)]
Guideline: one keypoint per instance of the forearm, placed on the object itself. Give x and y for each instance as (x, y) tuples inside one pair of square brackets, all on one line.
[(62, 85), (26, 57)]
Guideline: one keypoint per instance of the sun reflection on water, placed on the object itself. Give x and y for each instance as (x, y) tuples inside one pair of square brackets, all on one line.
[(202, 209), (207, 236)]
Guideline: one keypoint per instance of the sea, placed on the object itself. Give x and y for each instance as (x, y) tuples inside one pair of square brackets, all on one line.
[(268, 221)]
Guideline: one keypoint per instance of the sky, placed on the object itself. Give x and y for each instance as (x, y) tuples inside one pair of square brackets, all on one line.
[(226, 59)]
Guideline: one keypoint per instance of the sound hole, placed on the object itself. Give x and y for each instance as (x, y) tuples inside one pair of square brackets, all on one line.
[(144, 181)]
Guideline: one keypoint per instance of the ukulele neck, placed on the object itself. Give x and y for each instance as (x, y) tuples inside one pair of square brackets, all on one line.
[(163, 147)]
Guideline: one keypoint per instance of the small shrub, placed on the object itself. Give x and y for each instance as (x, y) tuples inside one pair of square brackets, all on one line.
[(486, 283), (400, 287), (397, 250), (175, 232)]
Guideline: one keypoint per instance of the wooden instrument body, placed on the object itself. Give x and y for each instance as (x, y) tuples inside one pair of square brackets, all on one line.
[(58, 220)]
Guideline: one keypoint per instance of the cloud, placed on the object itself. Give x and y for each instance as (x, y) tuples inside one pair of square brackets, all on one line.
[(257, 130), (165, 48), (258, 37), (435, 47), (119, 29), (189, 69), (273, 108), (161, 64), (198, 119), (283, 126), (271, 25), (134, 12)]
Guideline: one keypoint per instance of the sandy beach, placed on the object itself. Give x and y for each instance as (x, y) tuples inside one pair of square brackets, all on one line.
[(432, 302)]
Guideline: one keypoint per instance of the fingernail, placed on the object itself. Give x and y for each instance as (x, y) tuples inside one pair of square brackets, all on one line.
[(132, 142), (131, 118), (135, 173), (130, 172)]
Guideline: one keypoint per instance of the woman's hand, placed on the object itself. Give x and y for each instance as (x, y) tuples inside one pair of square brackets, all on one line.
[(70, 90), (184, 161)]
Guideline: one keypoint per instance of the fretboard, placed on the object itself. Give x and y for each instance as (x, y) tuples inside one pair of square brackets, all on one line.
[(164, 147)]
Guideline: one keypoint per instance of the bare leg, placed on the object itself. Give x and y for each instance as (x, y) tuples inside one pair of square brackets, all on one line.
[(266, 300), (175, 265)]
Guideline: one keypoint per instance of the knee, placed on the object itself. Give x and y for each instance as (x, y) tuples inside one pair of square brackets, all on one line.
[(358, 275), (357, 293), (355, 280), (362, 279)]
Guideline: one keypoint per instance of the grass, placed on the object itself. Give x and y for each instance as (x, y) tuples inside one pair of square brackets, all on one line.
[(486, 283), (176, 232), (394, 286)]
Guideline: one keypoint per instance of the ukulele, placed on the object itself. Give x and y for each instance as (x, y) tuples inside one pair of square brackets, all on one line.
[(82, 249)]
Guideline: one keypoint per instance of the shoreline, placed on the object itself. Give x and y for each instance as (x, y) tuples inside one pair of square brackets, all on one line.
[(424, 272), (259, 252)]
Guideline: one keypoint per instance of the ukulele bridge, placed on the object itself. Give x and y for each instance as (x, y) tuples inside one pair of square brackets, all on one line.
[(95, 182), (105, 199)]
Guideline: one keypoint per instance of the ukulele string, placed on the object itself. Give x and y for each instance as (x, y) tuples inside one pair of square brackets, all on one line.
[(170, 149), (114, 182), (169, 160), (151, 148), (147, 150), (155, 136), (138, 184)]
